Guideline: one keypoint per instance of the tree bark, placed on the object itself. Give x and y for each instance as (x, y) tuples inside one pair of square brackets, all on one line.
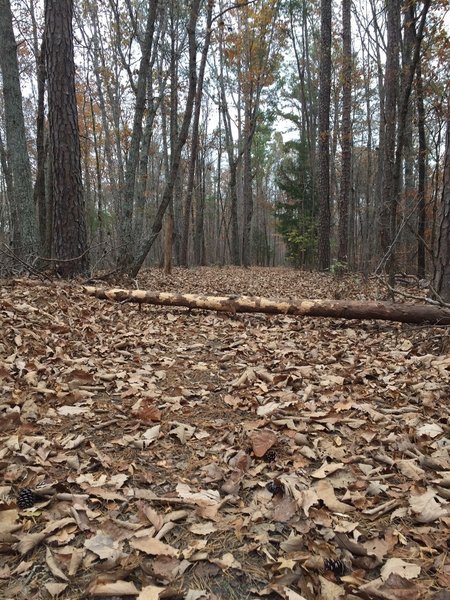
[(421, 168), (441, 275), (346, 134), (70, 237), (343, 309), (324, 137), (39, 197), (391, 85), (24, 235), (168, 242)]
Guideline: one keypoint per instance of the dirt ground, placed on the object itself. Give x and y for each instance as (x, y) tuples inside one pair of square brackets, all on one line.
[(176, 453)]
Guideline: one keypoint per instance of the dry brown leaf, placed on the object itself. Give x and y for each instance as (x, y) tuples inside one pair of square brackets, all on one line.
[(150, 592), (104, 546), (29, 542), (8, 523), (325, 492), (262, 441), (330, 590), (165, 568), (55, 589), (154, 547), (399, 567), (148, 412), (284, 510), (5, 572), (326, 469), (394, 588), (426, 508), (116, 588), (227, 561), (54, 568)]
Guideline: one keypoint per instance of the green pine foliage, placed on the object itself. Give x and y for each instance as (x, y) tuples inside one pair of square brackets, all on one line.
[(296, 213)]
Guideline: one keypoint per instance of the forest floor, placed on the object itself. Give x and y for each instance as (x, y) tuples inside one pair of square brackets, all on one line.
[(189, 454)]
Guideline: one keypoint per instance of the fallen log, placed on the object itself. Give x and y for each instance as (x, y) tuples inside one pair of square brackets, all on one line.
[(336, 309)]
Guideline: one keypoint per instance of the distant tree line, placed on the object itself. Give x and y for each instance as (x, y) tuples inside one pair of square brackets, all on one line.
[(195, 132)]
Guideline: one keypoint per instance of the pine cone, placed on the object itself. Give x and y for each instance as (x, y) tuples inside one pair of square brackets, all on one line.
[(269, 456), (337, 567), (27, 498)]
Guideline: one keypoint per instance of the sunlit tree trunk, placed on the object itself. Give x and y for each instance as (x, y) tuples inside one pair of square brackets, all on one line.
[(70, 239), (24, 234)]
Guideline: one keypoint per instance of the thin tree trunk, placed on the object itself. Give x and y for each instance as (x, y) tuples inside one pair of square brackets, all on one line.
[(441, 275), (180, 142), (402, 119), (24, 216), (232, 163), (421, 167), (346, 134), (391, 83), (114, 171), (8, 177), (195, 139), (98, 180), (247, 191), (127, 201), (39, 198), (324, 137), (168, 239)]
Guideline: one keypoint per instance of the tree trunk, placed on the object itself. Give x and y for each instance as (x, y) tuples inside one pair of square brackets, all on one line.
[(441, 275), (195, 139), (40, 200), (324, 137), (70, 238), (168, 242), (421, 167), (24, 235), (407, 80), (391, 83), (247, 188), (7, 175), (114, 170), (346, 133), (344, 309), (180, 142), (127, 200)]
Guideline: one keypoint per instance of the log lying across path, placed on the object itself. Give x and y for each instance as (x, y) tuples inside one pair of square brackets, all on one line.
[(336, 309)]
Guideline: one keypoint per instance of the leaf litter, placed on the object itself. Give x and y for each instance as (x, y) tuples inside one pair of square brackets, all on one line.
[(169, 453)]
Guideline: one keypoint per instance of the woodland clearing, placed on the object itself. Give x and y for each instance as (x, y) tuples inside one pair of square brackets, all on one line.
[(176, 453)]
